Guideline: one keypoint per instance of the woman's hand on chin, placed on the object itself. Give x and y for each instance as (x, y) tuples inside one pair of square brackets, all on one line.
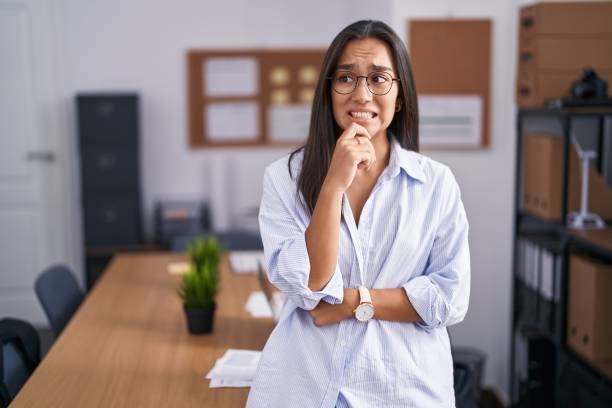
[(353, 151)]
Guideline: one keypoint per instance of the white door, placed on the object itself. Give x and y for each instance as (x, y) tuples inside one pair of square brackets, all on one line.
[(29, 174)]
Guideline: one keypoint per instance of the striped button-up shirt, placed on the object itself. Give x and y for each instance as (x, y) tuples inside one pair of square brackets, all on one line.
[(412, 234)]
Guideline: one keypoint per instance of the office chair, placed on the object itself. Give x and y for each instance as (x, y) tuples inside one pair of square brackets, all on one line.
[(59, 294), (19, 357), (233, 240)]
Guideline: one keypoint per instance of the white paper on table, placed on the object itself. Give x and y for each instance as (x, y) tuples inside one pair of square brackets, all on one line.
[(232, 372), (232, 121), (221, 383), (257, 305), (178, 268), (236, 365), (450, 119), (289, 123), (246, 261), (230, 77)]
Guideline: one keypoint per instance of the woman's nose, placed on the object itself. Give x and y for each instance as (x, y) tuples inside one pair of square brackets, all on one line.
[(362, 92)]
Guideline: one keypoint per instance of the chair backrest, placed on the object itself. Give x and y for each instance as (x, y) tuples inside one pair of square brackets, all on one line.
[(59, 294), (19, 356)]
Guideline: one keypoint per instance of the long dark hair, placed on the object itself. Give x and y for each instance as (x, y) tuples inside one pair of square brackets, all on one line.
[(324, 131)]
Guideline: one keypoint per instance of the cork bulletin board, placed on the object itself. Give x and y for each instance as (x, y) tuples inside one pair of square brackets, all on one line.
[(250, 97), (451, 61)]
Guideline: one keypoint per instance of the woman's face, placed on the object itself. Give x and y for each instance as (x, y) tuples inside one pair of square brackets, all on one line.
[(374, 112)]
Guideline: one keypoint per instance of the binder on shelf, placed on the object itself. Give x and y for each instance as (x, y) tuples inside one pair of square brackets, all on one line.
[(539, 270), (534, 369)]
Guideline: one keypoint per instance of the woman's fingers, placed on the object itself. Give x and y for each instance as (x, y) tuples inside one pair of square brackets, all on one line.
[(364, 144), (363, 158), (352, 131), (361, 144)]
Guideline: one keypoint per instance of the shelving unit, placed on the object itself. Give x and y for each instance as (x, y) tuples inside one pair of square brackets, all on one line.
[(545, 371)]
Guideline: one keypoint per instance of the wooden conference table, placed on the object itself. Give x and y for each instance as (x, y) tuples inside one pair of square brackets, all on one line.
[(128, 345)]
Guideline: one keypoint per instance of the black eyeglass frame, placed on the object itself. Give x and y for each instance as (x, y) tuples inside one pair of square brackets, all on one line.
[(358, 77)]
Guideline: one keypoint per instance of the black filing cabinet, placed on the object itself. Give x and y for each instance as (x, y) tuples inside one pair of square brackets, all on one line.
[(108, 131)]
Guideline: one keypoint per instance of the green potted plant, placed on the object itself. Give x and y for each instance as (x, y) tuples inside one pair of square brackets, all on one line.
[(200, 285)]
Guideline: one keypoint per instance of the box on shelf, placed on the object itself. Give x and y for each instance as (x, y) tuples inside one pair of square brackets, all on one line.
[(534, 87), (575, 18), (556, 42), (565, 53), (543, 175), (589, 323)]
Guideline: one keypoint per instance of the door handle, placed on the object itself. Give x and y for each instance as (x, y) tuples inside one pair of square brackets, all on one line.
[(42, 156)]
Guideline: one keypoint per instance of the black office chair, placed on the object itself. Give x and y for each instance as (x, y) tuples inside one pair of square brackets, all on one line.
[(59, 294), (19, 357), (234, 240)]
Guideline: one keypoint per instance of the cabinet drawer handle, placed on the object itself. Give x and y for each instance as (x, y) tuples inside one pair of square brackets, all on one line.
[(105, 109), (527, 22), (526, 56)]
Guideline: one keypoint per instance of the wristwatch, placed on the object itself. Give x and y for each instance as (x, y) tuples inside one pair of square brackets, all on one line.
[(365, 310)]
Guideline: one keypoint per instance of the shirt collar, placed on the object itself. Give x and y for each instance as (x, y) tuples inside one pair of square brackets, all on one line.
[(407, 160)]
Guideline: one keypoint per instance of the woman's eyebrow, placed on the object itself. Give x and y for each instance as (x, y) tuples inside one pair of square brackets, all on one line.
[(380, 68), (373, 67)]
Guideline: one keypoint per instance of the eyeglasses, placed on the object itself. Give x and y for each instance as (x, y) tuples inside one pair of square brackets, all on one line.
[(345, 82)]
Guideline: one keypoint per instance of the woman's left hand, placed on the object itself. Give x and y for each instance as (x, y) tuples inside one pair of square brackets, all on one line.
[(326, 313)]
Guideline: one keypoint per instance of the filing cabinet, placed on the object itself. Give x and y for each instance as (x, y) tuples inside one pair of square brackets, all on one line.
[(108, 120), (108, 167), (110, 171), (112, 219)]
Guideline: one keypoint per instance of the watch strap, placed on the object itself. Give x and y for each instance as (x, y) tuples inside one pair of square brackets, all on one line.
[(364, 295)]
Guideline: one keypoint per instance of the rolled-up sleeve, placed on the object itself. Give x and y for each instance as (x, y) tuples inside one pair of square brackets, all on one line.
[(283, 230), (441, 294)]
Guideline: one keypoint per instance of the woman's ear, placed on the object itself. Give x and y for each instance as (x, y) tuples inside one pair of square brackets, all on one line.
[(398, 105)]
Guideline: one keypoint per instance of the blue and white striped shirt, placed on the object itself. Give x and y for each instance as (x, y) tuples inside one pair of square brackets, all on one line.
[(413, 234)]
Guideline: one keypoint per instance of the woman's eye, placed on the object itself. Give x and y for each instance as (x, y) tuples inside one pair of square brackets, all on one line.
[(378, 79), (345, 78)]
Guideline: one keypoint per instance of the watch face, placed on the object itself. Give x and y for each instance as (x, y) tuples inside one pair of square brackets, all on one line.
[(364, 312)]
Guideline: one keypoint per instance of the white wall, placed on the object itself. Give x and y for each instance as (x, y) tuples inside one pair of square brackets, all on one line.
[(140, 45)]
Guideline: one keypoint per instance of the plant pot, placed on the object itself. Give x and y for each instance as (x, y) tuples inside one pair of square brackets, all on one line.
[(200, 320)]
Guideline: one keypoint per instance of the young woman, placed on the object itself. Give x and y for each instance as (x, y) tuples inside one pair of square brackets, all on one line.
[(367, 239)]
